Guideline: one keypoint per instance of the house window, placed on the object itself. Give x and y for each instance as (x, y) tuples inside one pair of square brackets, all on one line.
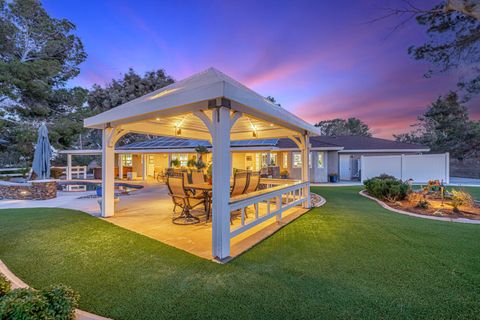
[(310, 160), (273, 159), (320, 162), (182, 157), (127, 160), (297, 159), (285, 160)]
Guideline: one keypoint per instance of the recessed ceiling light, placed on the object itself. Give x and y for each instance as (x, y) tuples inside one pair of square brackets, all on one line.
[(158, 119)]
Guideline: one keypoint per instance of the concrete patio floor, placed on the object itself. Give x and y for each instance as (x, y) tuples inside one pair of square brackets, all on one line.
[(149, 212)]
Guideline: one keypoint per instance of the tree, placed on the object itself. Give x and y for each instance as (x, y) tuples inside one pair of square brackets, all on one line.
[(38, 55), (446, 127), (342, 127), (453, 29), (119, 91)]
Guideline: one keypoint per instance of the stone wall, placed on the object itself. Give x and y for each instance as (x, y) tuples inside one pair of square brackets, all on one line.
[(32, 190)]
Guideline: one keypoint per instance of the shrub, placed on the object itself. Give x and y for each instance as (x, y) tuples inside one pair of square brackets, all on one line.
[(461, 198), (422, 204), (386, 189), (56, 173), (5, 285), (24, 304), (385, 176), (56, 302), (414, 197), (62, 302)]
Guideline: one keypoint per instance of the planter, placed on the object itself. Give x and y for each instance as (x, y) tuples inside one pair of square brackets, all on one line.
[(333, 178)]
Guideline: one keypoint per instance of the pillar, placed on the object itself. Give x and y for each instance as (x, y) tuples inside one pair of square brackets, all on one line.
[(69, 167), (108, 172), (220, 127), (144, 167), (120, 165), (306, 168)]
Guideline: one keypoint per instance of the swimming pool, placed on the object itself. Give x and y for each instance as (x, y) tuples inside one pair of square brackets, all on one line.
[(79, 186)]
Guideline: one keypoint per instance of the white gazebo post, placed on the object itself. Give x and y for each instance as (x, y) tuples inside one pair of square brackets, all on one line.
[(120, 165), (108, 171), (220, 132), (144, 167), (69, 166), (306, 168)]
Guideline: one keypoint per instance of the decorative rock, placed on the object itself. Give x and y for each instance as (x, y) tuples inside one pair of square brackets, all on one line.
[(33, 190)]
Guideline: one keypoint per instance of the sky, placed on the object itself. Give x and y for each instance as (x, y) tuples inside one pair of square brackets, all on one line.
[(319, 59)]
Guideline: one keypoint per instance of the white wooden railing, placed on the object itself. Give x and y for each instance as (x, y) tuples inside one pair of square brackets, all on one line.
[(277, 199), (78, 172)]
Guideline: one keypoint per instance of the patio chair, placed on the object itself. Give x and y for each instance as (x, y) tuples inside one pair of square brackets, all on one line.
[(183, 199), (198, 177), (252, 185), (240, 180), (253, 182)]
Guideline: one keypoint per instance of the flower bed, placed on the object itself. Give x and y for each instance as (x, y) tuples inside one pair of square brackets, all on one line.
[(431, 200)]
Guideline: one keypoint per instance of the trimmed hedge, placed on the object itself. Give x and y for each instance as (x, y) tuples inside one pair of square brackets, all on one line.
[(387, 188)]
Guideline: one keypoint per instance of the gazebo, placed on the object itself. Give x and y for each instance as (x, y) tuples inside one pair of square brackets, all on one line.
[(211, 106)]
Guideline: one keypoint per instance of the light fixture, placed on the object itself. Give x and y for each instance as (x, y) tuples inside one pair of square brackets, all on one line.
[(158, 119), (271, 124), (178, 131)]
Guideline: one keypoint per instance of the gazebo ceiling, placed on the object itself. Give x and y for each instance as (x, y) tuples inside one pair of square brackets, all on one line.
[(190, 126), (170, 111)]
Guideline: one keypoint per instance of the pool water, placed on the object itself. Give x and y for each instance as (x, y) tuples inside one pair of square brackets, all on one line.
[(82, 186)]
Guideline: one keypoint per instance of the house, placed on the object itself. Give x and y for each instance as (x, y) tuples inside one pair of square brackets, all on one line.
[(328, 155)]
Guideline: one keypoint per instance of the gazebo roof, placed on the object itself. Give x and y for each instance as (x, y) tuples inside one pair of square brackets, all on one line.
[(168, 109)]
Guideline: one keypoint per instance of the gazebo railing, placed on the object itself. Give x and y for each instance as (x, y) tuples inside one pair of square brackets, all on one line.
[(275, 200)]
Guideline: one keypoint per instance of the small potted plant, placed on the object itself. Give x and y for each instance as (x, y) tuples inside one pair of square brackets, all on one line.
[(209, 174), (192, 162), (200, 165), (333, 177), (284, 174), (175, 163)]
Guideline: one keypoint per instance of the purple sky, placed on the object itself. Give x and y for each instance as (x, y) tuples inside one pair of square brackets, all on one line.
[(319, 59)]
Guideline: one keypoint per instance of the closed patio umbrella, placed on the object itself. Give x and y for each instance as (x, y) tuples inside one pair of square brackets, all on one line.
[(43, 153)]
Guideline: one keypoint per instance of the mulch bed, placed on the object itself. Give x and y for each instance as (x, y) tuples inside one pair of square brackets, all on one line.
[(437, 210)]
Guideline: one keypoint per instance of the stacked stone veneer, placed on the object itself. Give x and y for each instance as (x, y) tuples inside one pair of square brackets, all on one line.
[(32, 190)]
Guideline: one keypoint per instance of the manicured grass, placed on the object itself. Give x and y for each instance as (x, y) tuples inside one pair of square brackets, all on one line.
[(348, 259)]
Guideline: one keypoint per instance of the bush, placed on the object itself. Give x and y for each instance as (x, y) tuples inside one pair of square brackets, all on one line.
[(461, 198), (56, 302), (56, 173), (62, 302), (414, 197), (385, 188), (24, 304), (422, 204), (5, 285)]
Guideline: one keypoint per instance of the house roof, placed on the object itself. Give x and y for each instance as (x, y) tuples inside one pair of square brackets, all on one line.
[(344, 143), (361, 143), (182, 143), (180, 99)]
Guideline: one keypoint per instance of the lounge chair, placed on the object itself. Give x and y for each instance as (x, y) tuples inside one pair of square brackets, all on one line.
[(240, 180)]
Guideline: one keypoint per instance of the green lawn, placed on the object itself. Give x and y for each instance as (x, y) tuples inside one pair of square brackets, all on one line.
[(348, 259)]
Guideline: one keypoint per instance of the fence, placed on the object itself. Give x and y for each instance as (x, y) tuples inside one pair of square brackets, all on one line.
[(13, 172), (419, 168), (78, 172)]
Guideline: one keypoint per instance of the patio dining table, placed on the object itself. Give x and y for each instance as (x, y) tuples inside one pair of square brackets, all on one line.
[(206, 189)]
